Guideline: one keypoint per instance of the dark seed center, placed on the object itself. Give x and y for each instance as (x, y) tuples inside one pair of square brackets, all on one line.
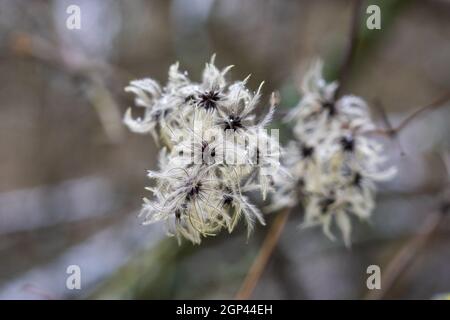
[(307, 151), (330, 107), (233, 122), (194, 191), (347, 143), (357, 179), (326, 203), (208, 100)]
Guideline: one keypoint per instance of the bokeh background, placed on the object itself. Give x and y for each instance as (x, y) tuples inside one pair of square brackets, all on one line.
[(72, 176)]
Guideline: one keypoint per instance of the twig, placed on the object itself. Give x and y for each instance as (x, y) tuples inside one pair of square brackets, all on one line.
[(384, 118), (412, 248), (73, 62), (406, 255), (77, 65), (345, 68), (260, 263), (387, 123), (438, 103)]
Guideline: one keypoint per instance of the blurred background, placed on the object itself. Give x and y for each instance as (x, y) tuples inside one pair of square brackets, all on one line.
[(72, 177)]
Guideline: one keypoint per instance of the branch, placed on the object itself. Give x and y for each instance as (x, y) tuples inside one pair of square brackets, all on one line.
[(438, 103), (406, 255), (77, 65), (412, 248), (387, 123), (345, 68), (260, 263), (71, 61)]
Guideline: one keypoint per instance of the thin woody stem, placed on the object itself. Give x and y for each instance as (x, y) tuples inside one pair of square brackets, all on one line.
[(350, 52), (54, 56), (413, 247), (387, 123), (259, 264), (438, 103), (405, 256)]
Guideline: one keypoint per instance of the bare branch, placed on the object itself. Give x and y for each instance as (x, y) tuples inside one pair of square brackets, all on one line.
[(260, 263), (77, 65), (406, 255), (438, 103), (387, 122), (413, 247), (344, 71)]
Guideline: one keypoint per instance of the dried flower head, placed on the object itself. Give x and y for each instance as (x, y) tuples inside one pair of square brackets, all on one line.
[(215, 151), (333, 164)]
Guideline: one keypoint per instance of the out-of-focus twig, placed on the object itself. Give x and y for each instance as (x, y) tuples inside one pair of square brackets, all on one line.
[(72, 61), (387, 123), (76, 64), (406, 255), (260, 263), (438, 103), (350, 51), (414, 246), (106, 108)]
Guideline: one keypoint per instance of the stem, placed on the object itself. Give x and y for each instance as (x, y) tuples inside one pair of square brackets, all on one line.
[(438, 103), (344, 71), (406, 255), (411, 249), (259, 264)]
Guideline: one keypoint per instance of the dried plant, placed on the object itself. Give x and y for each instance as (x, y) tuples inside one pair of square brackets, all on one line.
[(214, 152), (334, 164)]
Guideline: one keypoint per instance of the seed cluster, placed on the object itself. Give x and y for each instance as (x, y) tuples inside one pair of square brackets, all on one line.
[(210, 137), (216, 153), (333, 164)]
